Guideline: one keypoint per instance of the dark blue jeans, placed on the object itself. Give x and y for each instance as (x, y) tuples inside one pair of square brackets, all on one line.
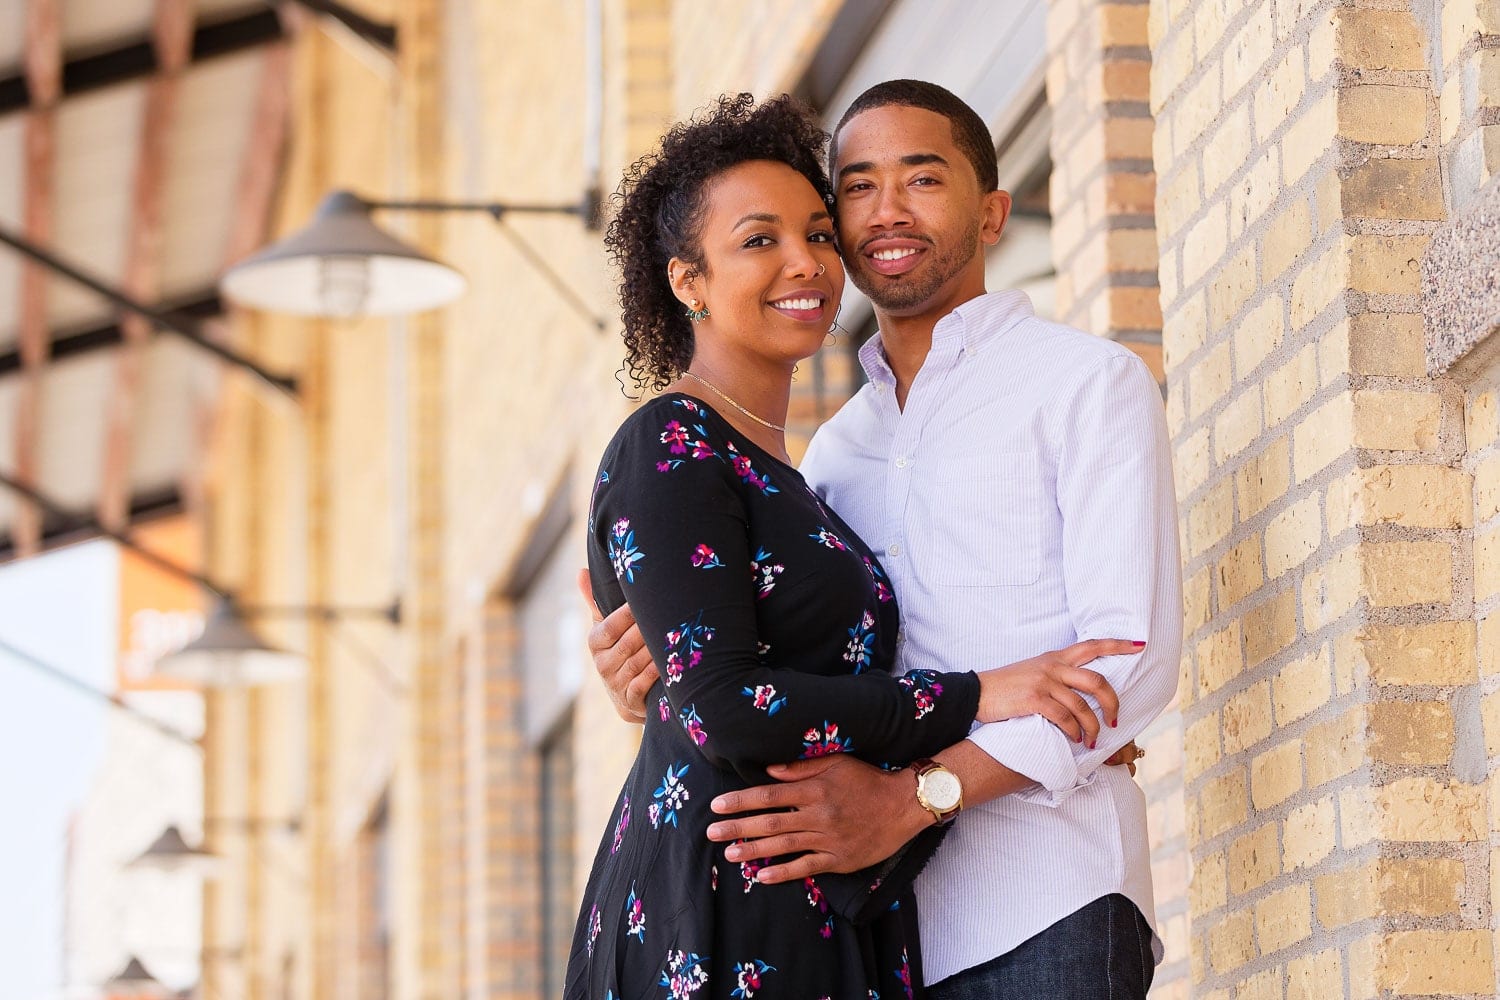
[(1101, 952)]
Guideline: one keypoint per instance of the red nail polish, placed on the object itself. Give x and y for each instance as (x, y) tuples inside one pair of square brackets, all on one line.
[(1114, 723), (1094, 745), (1137, 644)]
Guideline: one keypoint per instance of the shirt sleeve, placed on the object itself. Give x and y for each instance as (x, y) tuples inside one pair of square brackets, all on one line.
[(1120, 568), (649, 525)]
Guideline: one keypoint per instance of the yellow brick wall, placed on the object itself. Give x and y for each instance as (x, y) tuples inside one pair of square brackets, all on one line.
[(1336, 819)]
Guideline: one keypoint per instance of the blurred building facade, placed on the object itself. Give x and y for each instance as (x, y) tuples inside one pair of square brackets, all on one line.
[(1261, 187)]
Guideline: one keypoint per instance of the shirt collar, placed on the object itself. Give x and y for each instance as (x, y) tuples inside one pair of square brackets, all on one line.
[(970, 327)]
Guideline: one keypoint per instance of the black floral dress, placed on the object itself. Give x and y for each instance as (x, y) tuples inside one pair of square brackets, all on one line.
[(774, 630)]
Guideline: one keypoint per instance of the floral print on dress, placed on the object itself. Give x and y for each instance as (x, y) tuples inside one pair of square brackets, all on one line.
[(764, 572), (685, 974), (669, 796), (765, 697), (882, 588), (815, 899), (622, 551), (621, 825), (748, 870), (822, 742), (680, 441), (685, 648), (925, 690), (747, 977), (823, 536), (904, 973), (595, 926), (705, 558), (664, 708), (635, 917), (693, 725), (860, 651), (745, 469)]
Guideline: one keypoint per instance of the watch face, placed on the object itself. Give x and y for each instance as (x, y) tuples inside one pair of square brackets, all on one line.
[(941, 789)]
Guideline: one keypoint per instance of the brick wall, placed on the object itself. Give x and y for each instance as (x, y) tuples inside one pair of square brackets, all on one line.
[(1330, 690)]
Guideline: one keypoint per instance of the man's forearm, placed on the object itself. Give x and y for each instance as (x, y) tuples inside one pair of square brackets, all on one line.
[(982, 776)]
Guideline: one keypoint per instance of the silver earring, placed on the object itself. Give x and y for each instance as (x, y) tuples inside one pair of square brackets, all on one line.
[(822, 269)]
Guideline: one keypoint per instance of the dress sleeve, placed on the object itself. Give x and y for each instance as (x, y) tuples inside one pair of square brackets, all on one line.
[(651, 520)]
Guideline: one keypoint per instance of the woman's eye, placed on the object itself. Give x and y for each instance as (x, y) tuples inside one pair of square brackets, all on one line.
[(758, 241), (821, 236)]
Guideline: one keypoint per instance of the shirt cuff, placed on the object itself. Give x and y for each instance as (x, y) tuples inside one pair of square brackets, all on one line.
[(1033, 747)]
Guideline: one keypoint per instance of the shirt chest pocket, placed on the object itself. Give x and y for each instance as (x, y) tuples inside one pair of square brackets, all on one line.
[(986, 518)]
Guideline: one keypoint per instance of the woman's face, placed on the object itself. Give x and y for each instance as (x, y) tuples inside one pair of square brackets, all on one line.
[(771, 277)]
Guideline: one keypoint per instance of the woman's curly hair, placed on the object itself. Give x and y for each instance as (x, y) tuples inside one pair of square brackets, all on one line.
[(661, 208)]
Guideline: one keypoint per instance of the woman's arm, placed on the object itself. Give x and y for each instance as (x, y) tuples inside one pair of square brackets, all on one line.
[(699, 624)]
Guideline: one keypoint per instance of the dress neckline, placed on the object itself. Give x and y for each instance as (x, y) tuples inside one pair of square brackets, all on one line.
[(740, 440)]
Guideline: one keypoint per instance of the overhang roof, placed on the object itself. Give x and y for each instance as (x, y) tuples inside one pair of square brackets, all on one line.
[(144, 153)]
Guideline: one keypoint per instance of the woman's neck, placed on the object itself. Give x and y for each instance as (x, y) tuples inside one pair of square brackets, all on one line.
[(753, 401)]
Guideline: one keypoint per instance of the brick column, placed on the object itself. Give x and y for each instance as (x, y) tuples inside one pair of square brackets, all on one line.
[(1102, 194), (1330, 673), (1103, 185)]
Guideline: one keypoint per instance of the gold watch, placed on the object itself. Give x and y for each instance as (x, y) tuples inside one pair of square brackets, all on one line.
[(938, 790)]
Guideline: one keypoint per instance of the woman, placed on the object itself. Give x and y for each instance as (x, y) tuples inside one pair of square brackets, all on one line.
[(772, 624)]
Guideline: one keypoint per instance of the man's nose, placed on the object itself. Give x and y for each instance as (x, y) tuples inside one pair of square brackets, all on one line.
[(892, 209)]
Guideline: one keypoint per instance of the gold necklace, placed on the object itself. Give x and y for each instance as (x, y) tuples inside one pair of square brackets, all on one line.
[(725, 396)]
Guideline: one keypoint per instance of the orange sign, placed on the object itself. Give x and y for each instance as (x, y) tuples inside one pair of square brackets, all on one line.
[(160, 612)]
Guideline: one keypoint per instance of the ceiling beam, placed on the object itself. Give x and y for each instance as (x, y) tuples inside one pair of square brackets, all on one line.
[(172, 37), (138, 60), (59, 530), (108, 335), (43, 72)]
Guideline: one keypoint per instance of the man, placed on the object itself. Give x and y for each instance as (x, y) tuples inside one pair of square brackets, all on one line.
[(1013, 477)]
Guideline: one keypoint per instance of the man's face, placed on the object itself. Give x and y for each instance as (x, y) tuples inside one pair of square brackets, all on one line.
[(912, 220)]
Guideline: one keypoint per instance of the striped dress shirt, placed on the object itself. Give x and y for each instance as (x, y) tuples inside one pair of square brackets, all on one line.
[(1020, 502)]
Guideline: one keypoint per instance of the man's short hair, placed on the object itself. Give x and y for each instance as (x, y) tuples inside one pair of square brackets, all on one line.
[(970, 133)]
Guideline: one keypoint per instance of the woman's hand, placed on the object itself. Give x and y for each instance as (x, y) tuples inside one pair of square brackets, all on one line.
[(1051, 685)]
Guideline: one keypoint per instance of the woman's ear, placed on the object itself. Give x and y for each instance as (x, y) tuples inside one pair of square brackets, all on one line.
[(681, 275)]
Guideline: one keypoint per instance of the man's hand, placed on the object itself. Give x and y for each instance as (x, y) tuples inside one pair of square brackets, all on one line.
[(848, 815), (620, 656)]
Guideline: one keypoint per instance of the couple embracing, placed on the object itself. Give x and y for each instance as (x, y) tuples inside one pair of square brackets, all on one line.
[(862, 772)]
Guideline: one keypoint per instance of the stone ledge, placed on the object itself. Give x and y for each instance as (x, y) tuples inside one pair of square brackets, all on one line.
[(1461, 288)]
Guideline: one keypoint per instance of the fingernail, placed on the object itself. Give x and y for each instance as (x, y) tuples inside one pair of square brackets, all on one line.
[(1094, 745), (1137, 644), (1114, 723)]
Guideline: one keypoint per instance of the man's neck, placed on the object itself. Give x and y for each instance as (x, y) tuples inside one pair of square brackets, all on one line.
[(907, 340)]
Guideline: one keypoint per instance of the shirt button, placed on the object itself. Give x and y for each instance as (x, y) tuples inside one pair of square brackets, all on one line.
[(901, 462), (895, 549)]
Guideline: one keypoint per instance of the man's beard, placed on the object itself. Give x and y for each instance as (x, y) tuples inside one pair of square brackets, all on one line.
[(907, 291)]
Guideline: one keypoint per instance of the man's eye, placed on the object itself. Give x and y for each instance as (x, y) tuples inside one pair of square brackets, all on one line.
[(926, 181), (858, 186)]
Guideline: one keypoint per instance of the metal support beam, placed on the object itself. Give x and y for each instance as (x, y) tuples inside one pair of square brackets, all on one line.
[(167, 321), (138, 60)]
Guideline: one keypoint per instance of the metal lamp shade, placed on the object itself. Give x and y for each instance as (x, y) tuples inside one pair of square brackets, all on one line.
[(341, 265), (229, 654), (133, 981), (170, 853)]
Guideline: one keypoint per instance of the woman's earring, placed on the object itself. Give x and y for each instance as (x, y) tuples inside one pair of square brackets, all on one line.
[(697, 311), (832, 336)]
